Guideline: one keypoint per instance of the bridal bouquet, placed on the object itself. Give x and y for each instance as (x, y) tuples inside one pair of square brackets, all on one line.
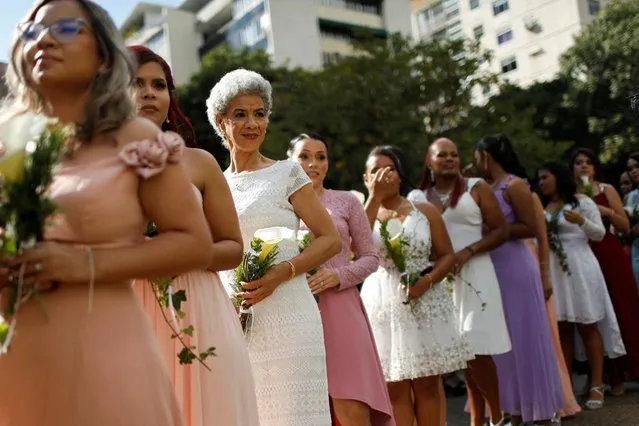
[(172, 301), (555, 244), (395, 243), (31, 146), (260, 257)]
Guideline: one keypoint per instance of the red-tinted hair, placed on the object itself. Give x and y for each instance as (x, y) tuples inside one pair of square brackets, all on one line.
[(425, 183), (177, 121)]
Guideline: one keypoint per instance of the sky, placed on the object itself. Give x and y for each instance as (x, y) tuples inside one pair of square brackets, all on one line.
[(14, 10)]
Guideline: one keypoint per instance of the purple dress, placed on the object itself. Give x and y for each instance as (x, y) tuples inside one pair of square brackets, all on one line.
[(529, 382)]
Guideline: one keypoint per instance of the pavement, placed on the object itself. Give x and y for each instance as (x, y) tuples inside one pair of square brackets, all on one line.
[(617, 411)]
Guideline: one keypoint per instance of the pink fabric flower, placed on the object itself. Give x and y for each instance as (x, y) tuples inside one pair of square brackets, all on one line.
[(149, 157)]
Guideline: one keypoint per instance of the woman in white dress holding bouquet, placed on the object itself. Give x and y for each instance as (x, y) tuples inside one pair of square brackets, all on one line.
[(415, 327), (285, 340)]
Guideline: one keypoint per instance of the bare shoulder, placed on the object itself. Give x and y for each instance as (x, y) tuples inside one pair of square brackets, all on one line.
[(200, 158), (518, 183), (430, 211), (136, 129)]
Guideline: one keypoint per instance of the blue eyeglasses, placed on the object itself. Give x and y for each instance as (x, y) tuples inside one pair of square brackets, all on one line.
[(63, 30)]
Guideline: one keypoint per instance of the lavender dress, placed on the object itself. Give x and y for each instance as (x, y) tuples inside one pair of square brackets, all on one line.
[(529, 382)]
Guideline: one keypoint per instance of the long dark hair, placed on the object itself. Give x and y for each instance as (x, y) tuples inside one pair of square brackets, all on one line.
[(397, 157), (501, 149), (426, 182), (177, 121), (566, 186)]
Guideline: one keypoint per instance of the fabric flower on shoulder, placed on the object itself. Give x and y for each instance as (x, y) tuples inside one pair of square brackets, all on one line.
[(149, 157)]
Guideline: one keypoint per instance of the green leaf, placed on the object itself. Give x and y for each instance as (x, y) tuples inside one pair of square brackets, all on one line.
[(188, 330), (177, 298)]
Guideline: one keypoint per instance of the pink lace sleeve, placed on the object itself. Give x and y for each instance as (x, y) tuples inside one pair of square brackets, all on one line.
[(366, 255), (150, 156)]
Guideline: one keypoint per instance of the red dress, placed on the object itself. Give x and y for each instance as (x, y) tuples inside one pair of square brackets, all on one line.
[(620, 281)]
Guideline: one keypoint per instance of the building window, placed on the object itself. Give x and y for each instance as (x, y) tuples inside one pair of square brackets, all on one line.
[(500, 6), (474, 4), (330, 57), (594, 6), (451, 7), (478, 31), (504, 36), (455, 30), (508, 65), (156, 43), (430, 18)]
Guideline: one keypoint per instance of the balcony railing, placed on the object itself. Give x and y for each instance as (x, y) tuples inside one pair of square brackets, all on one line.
[(351, 5)]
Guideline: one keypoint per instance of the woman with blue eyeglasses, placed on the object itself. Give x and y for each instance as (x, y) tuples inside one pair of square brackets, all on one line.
[(93, 360)]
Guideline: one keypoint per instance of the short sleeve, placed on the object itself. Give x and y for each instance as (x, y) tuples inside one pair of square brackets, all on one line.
[(297, 178)]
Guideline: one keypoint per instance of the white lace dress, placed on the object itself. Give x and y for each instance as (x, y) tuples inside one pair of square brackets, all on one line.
[(582, 296), (420, 339), (286, 340)]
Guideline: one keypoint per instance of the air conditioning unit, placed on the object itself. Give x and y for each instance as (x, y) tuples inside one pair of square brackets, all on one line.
[(532, 24)]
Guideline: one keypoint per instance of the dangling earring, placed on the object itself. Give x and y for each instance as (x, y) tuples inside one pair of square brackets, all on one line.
[(167, 121), (432, 175)]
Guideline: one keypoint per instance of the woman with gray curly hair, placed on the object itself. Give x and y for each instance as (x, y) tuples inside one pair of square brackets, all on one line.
[(93, 359), (285, 341)]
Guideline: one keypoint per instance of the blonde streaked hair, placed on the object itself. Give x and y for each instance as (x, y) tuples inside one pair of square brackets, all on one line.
[(109, 104)]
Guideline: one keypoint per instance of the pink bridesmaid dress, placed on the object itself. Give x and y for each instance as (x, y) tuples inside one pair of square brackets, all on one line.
[(353, 366), (224, 396), (102, 367)]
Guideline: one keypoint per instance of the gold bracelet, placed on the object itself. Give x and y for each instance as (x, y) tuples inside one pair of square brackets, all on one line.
[(293, 272)]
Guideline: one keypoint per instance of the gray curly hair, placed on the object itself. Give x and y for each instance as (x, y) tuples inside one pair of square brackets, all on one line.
[(236, 83)]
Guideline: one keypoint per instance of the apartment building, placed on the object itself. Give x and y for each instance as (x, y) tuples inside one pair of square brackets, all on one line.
[(170, 32), (527, 37), (304, 33)]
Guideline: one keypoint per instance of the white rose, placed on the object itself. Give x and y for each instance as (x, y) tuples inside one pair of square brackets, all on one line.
[(301, 234)]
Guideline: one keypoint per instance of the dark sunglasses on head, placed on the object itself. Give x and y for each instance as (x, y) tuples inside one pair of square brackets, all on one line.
[(63, 30)]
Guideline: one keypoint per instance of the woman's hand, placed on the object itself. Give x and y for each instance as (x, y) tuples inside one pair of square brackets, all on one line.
[(574, 217), (322, 280), (382, 184), (260, 289), (461, 258), (547, 285), (49, 262)]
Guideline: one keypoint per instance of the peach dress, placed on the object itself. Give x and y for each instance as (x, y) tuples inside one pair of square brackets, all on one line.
[(98, 368), (224, 396), (571, 407)]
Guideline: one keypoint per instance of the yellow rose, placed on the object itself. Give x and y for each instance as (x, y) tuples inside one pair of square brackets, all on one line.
[(12, 166)]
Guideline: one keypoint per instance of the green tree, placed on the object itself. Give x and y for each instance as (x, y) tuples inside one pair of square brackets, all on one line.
[(602, 69), (391, 91)]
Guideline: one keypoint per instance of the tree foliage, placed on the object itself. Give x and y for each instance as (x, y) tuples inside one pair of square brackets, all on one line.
[(602, 69), (391, 91)]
